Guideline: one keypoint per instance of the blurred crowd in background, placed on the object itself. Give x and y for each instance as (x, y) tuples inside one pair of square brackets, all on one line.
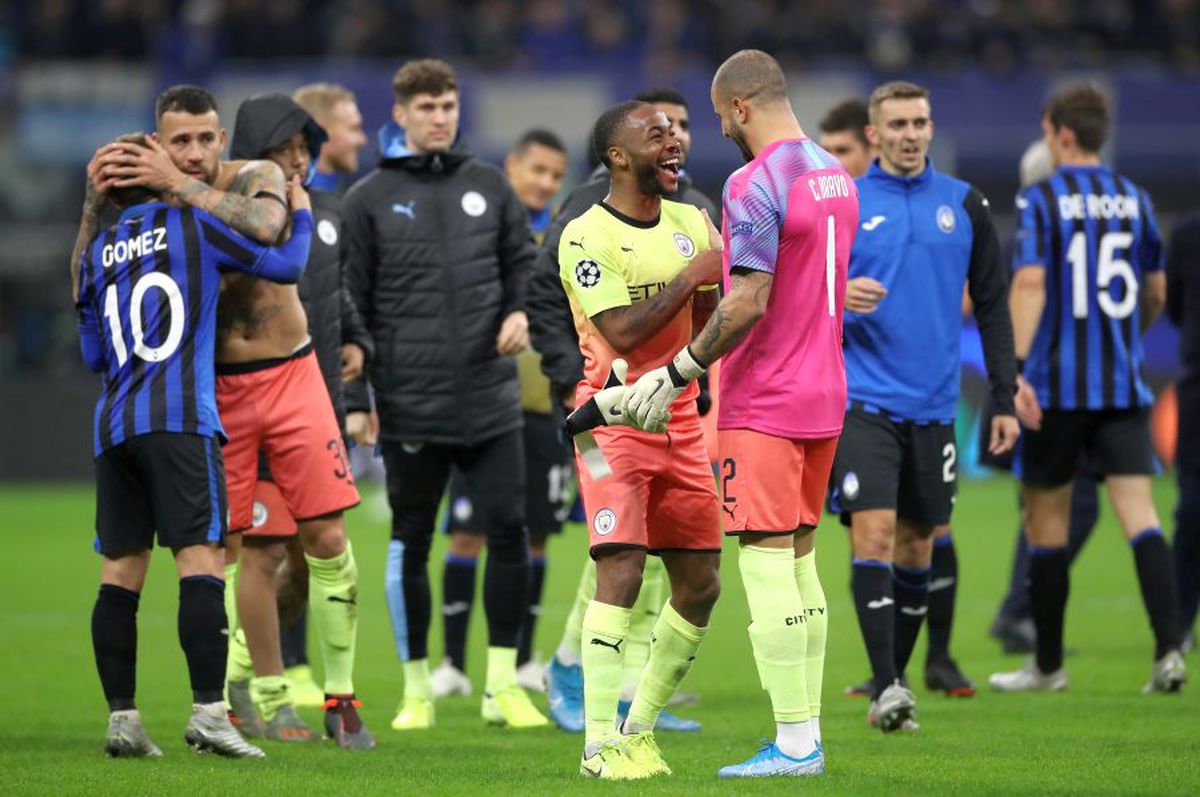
[(997, 35)]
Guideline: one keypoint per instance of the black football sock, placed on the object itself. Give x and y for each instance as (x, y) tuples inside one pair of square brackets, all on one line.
[(943, 587), (1185, 549), (1049, 584), (114, 641), (1017, 604), (1156, 576), (871, 584), (204, 635), (537, 577), (294, 641), (458, 595), (910, 586)]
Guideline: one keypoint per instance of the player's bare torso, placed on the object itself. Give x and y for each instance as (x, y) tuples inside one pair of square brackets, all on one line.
[(256, 319)]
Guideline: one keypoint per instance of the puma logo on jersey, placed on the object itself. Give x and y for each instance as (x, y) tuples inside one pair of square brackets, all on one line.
[(874, 222), (405, 209), (578, 243)]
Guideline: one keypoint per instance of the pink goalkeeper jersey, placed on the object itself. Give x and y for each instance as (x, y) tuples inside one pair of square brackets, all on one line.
[(792, 212)]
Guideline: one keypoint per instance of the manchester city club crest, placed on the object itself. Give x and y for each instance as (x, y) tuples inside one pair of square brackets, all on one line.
[(605, 522), (473, 203), (945, 219), (327, 232), (685, 245)]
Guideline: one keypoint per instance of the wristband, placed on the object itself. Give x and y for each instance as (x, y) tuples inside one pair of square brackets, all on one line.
[(684, 368)]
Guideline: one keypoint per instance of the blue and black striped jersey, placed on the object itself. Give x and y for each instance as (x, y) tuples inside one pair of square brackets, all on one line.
[(1094, 233), (147, 314)]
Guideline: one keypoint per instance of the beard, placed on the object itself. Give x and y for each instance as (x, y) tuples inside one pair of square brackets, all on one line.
[(645, 175), (739, 138)]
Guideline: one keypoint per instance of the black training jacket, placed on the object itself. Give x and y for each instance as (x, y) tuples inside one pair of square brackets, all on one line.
[(332, 319), (436, 251)]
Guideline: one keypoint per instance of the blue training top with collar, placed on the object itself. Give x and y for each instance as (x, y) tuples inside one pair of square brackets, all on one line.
[(923, 237)]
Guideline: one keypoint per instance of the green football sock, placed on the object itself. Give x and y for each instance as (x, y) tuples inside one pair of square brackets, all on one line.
[(569, 649), (238, 666), (816, 612), (777, 628), (671, 654), (501, 669), (641, 624), (605, 629), (416, 680), (269, 693), (333, 600)]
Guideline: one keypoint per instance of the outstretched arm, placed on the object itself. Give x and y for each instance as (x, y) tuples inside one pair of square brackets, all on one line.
[(255, 204)]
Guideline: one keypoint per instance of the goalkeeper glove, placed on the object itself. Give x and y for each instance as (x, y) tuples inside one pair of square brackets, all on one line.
[(648, 401), (604, 408)]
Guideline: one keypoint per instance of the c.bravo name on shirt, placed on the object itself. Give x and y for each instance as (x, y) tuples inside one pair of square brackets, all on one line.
[(154, 240), (826, 186), (1098, 206)]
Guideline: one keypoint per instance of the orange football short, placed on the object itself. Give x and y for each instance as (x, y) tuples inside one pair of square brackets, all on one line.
[(772, 484), (283, 408), (660, 496), (270, 517)]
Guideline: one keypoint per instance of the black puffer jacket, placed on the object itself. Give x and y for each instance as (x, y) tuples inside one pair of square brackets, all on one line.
[(436, 251), (332, 319), (551, 326)]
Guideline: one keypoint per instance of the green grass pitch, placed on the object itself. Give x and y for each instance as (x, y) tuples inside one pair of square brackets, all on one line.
[(1101, 737)]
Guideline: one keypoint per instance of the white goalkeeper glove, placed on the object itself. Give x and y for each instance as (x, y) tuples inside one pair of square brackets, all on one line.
[(648, 401), (604, 408)]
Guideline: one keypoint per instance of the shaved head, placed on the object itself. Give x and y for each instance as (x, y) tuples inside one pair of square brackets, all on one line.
[(750, 75)]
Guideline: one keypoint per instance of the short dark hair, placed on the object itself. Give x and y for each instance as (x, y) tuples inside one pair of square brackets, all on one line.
[(661, 94), (894, 90), (541, 137), (848, 115), (136, 194), (423, 76), (185, 98), (607, 127), (751, 74), (1084, 110)]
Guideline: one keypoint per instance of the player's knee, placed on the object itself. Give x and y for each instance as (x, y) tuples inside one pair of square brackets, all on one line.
[(703, 595), (466, 546), (508, 539), (874, 540), (265, 556)]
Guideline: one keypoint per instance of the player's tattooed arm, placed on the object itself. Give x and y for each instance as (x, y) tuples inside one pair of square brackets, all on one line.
[(735, 315), (95, 195), (255, 204), (626, 328)]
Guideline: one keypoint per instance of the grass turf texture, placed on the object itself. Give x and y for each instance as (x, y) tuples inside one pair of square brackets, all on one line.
[(1100, 737)]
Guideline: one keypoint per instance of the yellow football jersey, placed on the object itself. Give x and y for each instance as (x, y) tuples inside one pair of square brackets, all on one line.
[(608, 260)]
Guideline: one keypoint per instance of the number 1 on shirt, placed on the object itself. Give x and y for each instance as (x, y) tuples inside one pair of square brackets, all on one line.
[(829, 260)]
